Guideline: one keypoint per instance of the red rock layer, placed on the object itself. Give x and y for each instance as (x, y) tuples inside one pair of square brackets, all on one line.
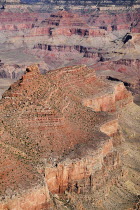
[(53, 141), (70, 36)]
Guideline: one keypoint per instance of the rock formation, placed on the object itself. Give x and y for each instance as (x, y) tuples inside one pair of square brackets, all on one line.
[(65, 38), (108, 39), (77, 36), (60, 134), (69, 137)]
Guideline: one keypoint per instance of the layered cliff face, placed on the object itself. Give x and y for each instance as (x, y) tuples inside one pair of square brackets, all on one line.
[(74, 37), (69, 139), (59, 137), (104, 39), (68, 38)]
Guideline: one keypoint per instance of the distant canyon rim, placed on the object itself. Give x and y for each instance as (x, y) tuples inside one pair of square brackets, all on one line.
[(106, 37), (69, 105)]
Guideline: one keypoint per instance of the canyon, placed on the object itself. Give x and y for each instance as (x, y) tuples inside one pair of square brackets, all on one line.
[(69, 105), (55, 38)]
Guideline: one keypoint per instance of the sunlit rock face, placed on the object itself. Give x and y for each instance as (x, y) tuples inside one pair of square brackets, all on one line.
[(58, 134), (66, 135), (62, 38)]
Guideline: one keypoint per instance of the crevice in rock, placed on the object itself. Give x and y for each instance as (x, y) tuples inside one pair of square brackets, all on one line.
[(126, 38), (115, 79)]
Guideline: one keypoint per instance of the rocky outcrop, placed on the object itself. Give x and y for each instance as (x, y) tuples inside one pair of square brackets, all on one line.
[(109, 102), (61, 133), (34, 199), (54, 141)]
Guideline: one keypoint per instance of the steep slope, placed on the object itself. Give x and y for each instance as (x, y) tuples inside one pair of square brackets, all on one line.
[(60, 133)]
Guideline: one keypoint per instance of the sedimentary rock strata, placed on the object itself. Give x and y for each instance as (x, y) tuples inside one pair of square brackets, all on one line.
[(58, 134), (69, 138), (63, 38)]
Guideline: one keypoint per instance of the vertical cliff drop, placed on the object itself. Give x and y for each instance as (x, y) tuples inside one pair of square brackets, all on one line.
[(59, 136)]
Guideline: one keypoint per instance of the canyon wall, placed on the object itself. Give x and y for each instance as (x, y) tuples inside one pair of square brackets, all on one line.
[(74, 37), (57, 140), (62, 132)]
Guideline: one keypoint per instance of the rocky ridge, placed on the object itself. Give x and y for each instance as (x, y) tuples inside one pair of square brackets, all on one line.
[(108, 39), (104, 39), (60, 134)]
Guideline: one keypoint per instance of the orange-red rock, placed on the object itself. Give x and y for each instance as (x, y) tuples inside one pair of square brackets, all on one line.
[(52, 140)]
